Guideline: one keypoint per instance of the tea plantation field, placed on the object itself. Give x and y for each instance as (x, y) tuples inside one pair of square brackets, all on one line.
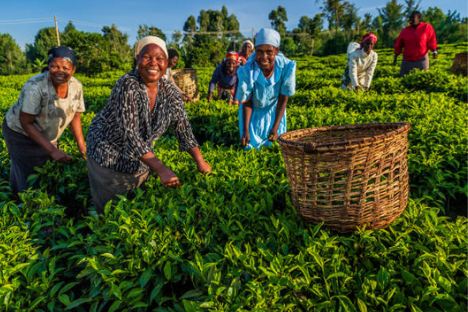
[(231, 240)]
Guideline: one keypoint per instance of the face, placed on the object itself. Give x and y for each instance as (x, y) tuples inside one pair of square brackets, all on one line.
[(173, 61), (265, 56), (231, 65), (368, 46), (60, 70), (152, 63), (246, 49), (414, 20)]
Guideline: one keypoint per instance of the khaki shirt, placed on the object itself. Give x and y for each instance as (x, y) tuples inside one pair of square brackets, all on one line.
[(53, 114)]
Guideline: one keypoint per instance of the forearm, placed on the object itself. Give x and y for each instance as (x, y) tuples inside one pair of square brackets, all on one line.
[(280, 109), (151, 161), (196, 154), (75, 127), (247, 114), (38, 137)]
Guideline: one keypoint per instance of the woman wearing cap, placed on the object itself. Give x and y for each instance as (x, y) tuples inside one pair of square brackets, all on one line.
[(361, 65), (265, 83), (225, 77), (245, 52), (140, 109), (48, 103), (172, 62)]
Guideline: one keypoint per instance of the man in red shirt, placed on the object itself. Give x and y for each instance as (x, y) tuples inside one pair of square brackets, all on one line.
[(415, 40)]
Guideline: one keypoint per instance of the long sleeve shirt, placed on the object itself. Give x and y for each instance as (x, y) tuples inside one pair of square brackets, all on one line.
[(416, 42), (223, 80), (125, 129), (361, 67)]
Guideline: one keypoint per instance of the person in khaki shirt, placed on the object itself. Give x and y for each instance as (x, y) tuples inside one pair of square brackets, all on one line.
[(48, 103)]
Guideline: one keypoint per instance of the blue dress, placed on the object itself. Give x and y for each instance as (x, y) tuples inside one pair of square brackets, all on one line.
[(264, 93)]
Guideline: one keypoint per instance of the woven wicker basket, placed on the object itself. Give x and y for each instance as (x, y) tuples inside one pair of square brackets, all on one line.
[(186, 79), (348, 176), (460, 64)]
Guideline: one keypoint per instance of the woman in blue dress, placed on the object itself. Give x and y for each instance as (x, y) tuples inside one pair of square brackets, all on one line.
[(265, 83)]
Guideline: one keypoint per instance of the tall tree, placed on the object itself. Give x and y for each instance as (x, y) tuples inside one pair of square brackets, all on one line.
[(392, 21), (12, 60), (278, 19), (333, 10), (45, 39), (145, 30), (350, 20), (306, 35), (410, 6)]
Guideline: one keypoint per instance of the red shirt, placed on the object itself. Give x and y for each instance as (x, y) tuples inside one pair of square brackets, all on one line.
[(416, 42)]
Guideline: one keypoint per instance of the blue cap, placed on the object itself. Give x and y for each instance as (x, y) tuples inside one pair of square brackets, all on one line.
[(268, 36)]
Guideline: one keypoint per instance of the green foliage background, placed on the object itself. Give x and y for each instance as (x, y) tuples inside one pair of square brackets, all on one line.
[(231, 240)]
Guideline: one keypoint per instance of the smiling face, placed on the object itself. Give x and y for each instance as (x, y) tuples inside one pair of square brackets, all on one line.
[(60, 70), (173, 61), (368, 46), (152, 63), (231, 65), (265, 56), (246, 49)]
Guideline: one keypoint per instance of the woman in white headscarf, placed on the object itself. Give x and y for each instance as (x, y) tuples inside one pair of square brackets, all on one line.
[(245, 52), (265, 83), (141, 108)]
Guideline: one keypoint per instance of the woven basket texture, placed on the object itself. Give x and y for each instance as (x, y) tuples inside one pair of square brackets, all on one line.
[(186, 79), (348, 176), (460, 64)]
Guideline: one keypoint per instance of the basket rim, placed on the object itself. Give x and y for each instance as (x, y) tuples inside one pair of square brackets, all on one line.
[(402, 127)]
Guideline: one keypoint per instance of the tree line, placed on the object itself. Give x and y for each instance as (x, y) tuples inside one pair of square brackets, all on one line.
[(206, 38)]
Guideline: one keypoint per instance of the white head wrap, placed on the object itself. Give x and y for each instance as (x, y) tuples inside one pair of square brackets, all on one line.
[(268, 36), (148, 40), (249, 42)]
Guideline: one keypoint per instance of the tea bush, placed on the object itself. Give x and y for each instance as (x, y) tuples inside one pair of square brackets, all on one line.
[(232, 240)]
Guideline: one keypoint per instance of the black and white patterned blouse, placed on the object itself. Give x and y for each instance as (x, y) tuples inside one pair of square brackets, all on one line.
[(125, 129)]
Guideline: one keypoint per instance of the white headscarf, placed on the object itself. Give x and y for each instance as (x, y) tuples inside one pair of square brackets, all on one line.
[(268, 36), (148, 40), (249, 42)]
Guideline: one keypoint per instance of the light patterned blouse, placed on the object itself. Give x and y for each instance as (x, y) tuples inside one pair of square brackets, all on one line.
[(53, 114), (125, 129)]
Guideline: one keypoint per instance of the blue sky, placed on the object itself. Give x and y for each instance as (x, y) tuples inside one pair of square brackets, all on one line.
[(23, 19)]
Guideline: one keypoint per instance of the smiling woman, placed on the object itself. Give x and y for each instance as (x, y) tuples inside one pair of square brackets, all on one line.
[(141, 108), (48, 103)]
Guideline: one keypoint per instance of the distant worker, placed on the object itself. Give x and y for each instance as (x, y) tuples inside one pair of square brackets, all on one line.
[(265, 83), (48, 103), (173, 60), (362, 60), (415, 40), (245, 52), (225, 78)]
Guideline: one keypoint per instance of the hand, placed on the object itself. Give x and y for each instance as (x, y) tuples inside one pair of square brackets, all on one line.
[(210, 96), (394, 61), (273, 136), (82, 150), (168, 178), (189, 99), (245, 140), (236, 102), (357, 88), (435, 55), (203, 167), (60, 156), (367, 89)]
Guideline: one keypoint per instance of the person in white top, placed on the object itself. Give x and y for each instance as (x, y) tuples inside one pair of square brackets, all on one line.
[(362, 60)]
